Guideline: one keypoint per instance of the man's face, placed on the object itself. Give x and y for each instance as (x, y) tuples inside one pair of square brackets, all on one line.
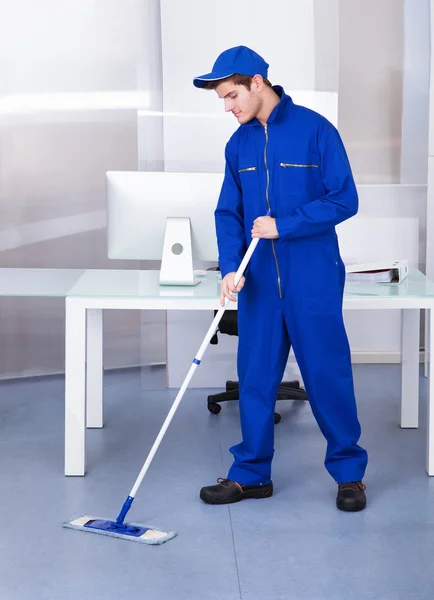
[(244, 104)]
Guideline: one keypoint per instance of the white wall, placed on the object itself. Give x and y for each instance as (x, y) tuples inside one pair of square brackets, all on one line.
[(195, 141), (370, 87), (430, 202), (415, 91), (326, 32)]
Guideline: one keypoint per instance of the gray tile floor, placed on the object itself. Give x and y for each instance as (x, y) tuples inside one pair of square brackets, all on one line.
[(295, 545)]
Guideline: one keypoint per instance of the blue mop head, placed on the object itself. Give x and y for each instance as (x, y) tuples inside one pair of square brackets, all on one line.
[(135, 532)]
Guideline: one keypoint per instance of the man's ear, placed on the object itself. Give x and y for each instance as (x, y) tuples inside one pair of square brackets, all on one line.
[(258, 82)]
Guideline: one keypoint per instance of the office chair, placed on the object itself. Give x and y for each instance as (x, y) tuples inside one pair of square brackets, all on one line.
[(288, 390)]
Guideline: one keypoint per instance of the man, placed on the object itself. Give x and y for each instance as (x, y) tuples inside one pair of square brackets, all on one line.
[(290, 161)]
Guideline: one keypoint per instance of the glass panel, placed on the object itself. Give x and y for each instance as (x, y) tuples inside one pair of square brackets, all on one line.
[(141, 284), (38, 282), (69, 94)]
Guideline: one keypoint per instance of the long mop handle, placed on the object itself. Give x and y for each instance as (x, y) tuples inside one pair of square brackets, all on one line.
[(196, 362)]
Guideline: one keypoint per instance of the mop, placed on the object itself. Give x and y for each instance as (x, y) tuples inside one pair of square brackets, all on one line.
[(135, 531)]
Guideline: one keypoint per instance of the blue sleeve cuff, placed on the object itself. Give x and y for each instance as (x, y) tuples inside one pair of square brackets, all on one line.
[(282, 227), (228, 268)]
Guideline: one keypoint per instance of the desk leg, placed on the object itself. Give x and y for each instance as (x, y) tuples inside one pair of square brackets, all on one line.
[(94, 373), (410, 368), (429, 402), (75, 387)]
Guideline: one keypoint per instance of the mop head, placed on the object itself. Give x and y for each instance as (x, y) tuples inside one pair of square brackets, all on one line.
[(134, 532)]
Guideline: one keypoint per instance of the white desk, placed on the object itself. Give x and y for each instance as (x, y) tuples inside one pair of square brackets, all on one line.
[(96, 291), (89, 292)]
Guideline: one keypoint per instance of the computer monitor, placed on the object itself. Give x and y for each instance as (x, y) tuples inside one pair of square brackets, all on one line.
[(163, 216)]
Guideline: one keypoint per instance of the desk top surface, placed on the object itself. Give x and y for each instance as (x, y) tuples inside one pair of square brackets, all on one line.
[(112, 283)]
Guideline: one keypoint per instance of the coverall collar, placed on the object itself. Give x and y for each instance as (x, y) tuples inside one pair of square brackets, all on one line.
[(278, 110)]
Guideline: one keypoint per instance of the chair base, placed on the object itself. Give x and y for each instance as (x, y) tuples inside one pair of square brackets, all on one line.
[(288, 390)]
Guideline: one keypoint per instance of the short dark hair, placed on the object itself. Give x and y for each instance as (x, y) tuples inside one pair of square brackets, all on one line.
[(237, 79)]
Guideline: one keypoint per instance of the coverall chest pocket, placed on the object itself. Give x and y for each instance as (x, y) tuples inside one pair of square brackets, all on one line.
[(299, 177), (249, 178)]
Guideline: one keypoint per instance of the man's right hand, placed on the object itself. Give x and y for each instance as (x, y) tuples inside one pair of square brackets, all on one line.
[(228, 287)]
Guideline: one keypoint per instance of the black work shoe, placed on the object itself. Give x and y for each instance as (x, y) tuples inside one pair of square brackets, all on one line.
[(227, 491), (351, 496)]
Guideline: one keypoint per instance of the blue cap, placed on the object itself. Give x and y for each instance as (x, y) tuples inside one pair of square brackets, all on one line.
[(241, 60)]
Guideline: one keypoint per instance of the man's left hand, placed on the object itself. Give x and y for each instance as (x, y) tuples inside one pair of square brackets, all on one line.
[(265, 227)]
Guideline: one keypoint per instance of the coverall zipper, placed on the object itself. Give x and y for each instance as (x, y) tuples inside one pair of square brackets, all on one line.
[(269, 208)]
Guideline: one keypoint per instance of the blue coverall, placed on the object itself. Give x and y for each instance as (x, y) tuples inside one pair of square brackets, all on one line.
[(296, 167)]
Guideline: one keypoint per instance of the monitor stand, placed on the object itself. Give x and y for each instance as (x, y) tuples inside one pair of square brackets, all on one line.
[(177, 260)]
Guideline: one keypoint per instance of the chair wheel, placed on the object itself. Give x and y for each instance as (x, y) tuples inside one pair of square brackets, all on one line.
[(277, 418), (214, 408)]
